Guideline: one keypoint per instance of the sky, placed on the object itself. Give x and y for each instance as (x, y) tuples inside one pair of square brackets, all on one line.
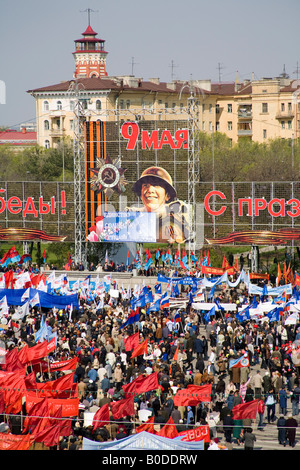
[(202, 39)]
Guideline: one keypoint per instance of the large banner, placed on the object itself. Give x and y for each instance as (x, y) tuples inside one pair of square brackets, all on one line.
[(140, 169), (251, 213), (35, 210)]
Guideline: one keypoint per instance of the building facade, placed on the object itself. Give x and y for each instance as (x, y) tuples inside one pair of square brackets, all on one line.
[(258, 110)]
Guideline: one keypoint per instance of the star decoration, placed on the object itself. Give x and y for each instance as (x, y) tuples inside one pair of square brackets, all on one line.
[(108, 176)]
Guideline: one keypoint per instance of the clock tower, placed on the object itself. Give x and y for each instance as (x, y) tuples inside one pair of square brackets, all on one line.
[(90, 55)]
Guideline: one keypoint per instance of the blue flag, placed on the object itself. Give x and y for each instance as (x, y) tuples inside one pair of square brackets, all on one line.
[(209, 314)]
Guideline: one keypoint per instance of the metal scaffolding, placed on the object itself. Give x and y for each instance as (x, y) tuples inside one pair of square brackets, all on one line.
[(77, 92)]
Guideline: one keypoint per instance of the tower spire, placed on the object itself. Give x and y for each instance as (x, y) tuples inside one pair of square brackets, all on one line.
[(89, 55)]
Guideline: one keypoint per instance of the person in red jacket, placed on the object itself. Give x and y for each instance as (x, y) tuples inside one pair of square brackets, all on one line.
[(261, 410)]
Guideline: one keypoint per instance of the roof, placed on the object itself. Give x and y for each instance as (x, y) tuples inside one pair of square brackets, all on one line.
[(99, 84), (13, 137), (231, 88), (89, 31)]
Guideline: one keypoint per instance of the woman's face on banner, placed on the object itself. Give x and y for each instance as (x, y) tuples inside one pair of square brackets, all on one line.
[(153, 196)]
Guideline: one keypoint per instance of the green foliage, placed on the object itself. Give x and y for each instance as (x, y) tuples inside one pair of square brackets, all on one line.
[(277, 160), (38, 164)]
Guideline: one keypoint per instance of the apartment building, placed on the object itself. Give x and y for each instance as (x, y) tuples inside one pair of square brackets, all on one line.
[(258, 110)]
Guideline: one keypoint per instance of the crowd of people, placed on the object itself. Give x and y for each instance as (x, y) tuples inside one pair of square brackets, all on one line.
[(95, 335)]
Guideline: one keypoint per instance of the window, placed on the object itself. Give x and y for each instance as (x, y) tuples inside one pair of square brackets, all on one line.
[(47, 144), (282, 107), (217, 108), (229, 125), (59, 105), (181, 107), (264, 107), (203, 108), (289, 124), (217, 126), (128, 104), (210, 108), (229, 108), (122, 106), (46, 105), (203, 125), (72, 105), (46, 125), (98, 105), (71, 124), (210, 126), (264, 133), (282, 125)]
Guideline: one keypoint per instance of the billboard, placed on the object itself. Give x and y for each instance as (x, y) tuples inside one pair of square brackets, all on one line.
[(35, 210), (251, 213), (139, 168)]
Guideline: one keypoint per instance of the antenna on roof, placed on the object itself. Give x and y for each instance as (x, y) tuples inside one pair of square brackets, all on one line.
[(219, 69), (89, 11), (133, 64), (297, 71), (172, 69)]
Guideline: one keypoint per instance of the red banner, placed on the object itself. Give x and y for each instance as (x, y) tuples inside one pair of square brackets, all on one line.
[(217, 271), (70, 406), (197, 434), (15, 442), (192, 395), (44, 366), (259, 276)]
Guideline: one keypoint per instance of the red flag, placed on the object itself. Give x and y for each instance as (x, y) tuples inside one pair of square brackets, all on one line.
[(64, 424), (140, 349), (245, 410), (297, 279), (56, 388), (141, 384), (49, 436), (38, 351), (30, 382), (168, 430), (148, 426), (278, 275), (192, 395), (9, 279), (12, 361), (225, 264), (131, 342), (34, 421), (101, 417), (13, 386), (122, 408)]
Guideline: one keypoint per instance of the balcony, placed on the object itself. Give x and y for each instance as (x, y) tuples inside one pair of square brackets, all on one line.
[(285, 115), (247, 114), (57, 132), (244, 132)]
